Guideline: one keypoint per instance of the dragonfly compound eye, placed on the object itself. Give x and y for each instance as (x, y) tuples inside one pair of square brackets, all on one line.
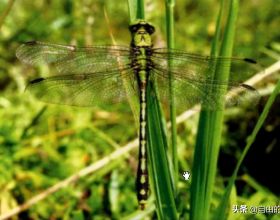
[(150, 29), (133, 28)]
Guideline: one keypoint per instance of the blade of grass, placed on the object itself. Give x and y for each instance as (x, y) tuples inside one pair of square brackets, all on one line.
[(6, 12), (140, 9), (34, 121), (210, 128), (199, 166), (169, 7), (132, 9), (203, 131), (136, 10), (221, 211), (215, 42), (216, 118), (158, 163)]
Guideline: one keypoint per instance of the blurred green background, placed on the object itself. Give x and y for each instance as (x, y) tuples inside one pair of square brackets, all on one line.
[(41, 144)]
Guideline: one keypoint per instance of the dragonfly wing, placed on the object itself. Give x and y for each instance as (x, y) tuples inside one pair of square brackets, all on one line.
[(189, 91), (83, 89), (202, 67), (72, 59), (192, 79)]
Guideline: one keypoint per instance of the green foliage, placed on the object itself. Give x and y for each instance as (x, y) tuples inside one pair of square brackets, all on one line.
[(221, 211), (210, 128), (159, 166)]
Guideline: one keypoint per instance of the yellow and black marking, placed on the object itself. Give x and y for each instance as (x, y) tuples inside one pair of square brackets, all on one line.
[(141, 63), (142, 181)]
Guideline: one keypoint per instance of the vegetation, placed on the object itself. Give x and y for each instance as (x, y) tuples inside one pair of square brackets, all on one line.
[(63, 162)]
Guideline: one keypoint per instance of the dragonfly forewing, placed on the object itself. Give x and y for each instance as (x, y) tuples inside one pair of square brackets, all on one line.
[(72, 59)]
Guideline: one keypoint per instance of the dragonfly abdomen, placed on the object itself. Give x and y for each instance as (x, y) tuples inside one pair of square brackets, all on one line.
[(140, 61), (142, 181)]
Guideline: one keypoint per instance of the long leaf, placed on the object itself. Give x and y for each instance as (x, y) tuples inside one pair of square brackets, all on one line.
[(159, 169), (169, 6), (209, 130)]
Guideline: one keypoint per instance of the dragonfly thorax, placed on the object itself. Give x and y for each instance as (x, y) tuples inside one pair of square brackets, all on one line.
[(141, 59)]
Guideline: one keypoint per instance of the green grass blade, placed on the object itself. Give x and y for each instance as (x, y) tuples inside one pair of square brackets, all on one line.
[(200, 156), (221, 211), (158, 163), (216, 118), (169, 7), (210, 128), (132, 9), (34, 121), (140, 9), (136, 9), (215, 42)]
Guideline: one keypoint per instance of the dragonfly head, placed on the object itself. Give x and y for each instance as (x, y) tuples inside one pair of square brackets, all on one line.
[(141, 33)]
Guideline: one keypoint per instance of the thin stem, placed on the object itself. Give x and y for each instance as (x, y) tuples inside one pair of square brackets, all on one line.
[(6, 12), (170, 44), (140, 9)]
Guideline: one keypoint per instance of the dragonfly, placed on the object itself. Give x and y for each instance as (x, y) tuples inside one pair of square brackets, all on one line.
[(89, 76)]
